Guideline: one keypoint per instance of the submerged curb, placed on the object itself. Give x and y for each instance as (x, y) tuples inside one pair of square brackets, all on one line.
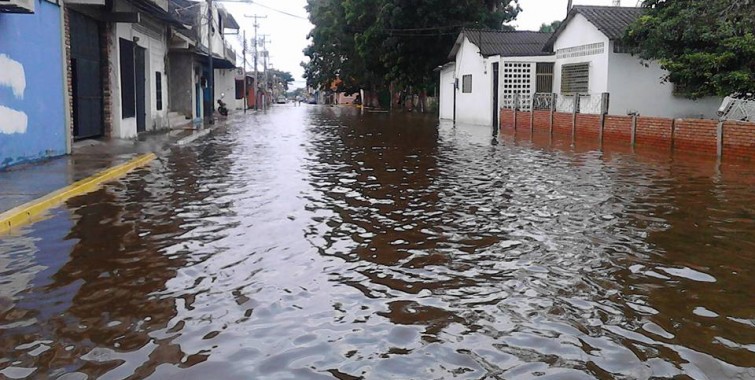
[(30, 212), (194, 136)]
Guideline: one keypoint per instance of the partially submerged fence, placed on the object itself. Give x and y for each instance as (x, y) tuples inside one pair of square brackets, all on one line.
[(584, 117)]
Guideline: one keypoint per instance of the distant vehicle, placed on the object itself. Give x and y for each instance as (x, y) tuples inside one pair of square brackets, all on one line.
[(281, 100)]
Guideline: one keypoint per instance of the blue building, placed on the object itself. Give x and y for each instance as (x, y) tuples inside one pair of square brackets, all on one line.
[(32, 94)]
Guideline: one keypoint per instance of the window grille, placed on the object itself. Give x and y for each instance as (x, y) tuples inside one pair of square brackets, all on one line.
[(544, 78), (575, 78), (466, 84)]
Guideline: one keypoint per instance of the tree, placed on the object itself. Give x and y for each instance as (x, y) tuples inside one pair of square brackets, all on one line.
[(708, 47), (550, 28), (283, 76), (371, 43)]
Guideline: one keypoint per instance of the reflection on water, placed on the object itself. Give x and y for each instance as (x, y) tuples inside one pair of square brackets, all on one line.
[(322, 243)]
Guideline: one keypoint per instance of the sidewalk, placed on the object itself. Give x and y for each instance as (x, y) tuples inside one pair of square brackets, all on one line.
[(24, 183)]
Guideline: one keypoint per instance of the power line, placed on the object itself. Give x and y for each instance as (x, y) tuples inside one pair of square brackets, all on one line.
[(266, 7)]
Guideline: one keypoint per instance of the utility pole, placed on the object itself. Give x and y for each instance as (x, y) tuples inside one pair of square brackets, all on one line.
[(211, 76), (265, 54), (243, 73), (256, 79)]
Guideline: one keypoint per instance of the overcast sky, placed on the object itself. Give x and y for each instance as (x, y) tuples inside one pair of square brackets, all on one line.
[(288, 34)]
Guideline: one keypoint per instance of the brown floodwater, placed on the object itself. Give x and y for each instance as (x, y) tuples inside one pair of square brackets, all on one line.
[(318, 242)]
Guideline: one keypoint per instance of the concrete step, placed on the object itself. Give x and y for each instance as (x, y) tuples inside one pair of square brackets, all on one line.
[(178, 120)]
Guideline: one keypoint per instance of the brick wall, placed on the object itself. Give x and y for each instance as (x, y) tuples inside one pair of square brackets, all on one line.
[(739, 141), (588, 126), (106, 42), (522, 120), (653, 132), (542, 121), (695, 136), (507, 119), (69, 72), (562, 123), (618, 130)]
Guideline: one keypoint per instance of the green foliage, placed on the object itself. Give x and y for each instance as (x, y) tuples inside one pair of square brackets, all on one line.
[(550, 28), (283, 76), (369, 43), (708, 47)]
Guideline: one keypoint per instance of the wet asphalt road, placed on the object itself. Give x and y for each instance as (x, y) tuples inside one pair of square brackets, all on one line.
[(318, 242)]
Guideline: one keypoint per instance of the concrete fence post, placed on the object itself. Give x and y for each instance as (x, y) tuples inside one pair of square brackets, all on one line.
[(574, 118), (532, 113), (720, 138), (554, 100), (603, 112), (515, 107), (634, 130)]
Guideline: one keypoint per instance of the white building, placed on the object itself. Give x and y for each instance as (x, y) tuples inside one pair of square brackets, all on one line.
[(139, 82), (590, 59), (488, 67)]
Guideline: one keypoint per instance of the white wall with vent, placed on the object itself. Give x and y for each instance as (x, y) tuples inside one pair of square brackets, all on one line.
[(582, 42)]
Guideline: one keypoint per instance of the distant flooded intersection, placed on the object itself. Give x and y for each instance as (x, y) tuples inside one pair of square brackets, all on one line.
[(318, 242)]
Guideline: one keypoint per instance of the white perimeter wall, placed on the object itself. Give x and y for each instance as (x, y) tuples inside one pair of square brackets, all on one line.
[(636, 88), (580, 32), (446, 92), (225, 83), (475, 107)]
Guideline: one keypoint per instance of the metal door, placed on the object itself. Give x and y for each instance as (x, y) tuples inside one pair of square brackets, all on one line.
[(86, 77), (140, 87), (496, 112)]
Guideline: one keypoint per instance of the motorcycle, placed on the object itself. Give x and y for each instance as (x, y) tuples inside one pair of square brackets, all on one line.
[(222, 107)]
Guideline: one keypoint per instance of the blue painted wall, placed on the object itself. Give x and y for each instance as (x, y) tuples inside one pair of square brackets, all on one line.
[(34, 42)]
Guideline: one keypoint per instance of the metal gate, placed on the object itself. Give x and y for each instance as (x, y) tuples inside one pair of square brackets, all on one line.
[(86, 77)]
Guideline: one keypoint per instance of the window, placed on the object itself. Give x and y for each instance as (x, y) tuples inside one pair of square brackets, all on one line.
[(544, 72), (128, 90), (575, 78), (466, 84), (239, 89), (159, 90)]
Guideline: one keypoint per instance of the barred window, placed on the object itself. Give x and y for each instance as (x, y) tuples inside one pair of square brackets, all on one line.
[(575, 78), (544, 72), (466, 84)]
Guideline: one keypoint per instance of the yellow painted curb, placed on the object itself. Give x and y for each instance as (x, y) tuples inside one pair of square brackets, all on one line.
[(30, 212)]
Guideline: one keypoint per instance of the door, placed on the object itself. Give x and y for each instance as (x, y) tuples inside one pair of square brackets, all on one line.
[(496, 112), (140, 88), (86, 77)]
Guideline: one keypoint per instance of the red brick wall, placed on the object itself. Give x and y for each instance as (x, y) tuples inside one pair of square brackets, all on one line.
[(695, 136), (106, 42), (653, 132), (522, 120), (618, 129), (588, 126), (562, 122), (739, 141), (542, 121), (69, 73), (507, 118)]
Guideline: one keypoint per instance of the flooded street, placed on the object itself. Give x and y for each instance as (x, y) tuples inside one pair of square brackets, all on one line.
[(315, 242)]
